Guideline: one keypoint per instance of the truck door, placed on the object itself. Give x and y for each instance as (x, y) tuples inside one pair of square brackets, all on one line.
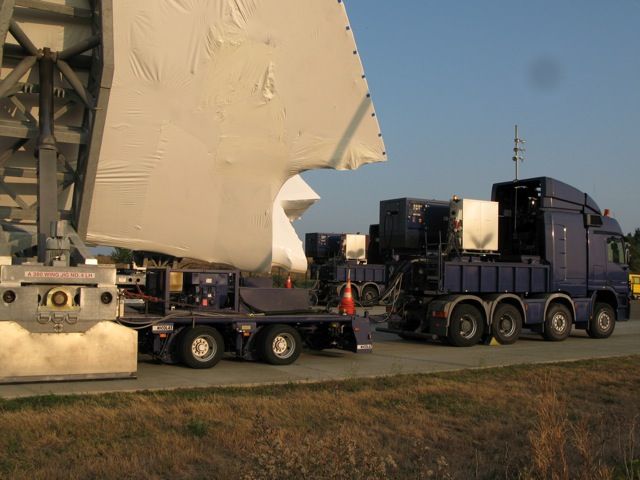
[(568, 253), (617, 268)]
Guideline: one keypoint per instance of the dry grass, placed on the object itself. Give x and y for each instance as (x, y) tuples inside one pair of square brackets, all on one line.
[(566, 421)]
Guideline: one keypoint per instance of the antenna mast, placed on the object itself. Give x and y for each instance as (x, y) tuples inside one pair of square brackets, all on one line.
[(518, 150)]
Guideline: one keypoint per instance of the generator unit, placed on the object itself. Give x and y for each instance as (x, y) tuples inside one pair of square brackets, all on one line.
[(474, 225), (409, 224), (195, 289), (346, 246), (321, 245)]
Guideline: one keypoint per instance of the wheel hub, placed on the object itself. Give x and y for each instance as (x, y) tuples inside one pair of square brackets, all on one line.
[(559, 322), (506, 325), (467, 327), (202, 348), (604, 321), (283, 345)]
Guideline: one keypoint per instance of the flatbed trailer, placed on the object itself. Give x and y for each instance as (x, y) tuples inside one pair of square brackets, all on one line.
[(222, 315)]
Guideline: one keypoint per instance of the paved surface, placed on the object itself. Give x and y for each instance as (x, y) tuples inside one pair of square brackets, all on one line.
[(391, 356)]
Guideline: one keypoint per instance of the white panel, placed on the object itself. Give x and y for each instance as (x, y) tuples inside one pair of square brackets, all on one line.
[(214, 105), (106, 349), (355, 247), (479, 225)]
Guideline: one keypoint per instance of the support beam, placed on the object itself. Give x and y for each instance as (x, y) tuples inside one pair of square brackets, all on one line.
[(18, 172), (6, 86), (75, 82), (87, 169), (6, 12), (21, 37), (15, 129), (8, 153), (55, 8), (47, 153), (80, 47)]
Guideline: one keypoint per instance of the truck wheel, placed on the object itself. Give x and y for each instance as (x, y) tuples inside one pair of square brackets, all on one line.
[(507, 324), (603, 321), (370, 295), (280, 345), (557, 323), (200, 347), (466, 326)]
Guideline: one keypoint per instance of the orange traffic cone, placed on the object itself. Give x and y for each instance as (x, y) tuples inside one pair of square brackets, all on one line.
[(347, 305), (288, 283)]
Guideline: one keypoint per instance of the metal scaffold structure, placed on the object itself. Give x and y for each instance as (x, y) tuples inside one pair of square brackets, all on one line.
[(54, 91)]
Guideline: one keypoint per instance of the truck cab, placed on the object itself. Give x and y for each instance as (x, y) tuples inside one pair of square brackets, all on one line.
[(544, 218)]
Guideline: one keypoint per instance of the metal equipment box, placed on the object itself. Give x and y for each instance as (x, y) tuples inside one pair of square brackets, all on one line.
[(475, 224), (411, 223), (355, 247), (321, 245)]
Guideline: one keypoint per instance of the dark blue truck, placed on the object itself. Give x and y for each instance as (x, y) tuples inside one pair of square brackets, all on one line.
[(559, 263)]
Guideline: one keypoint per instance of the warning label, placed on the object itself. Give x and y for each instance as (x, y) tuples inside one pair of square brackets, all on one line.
[(60, 275)]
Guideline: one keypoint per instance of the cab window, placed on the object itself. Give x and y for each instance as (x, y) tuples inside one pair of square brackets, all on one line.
[(615, 250)]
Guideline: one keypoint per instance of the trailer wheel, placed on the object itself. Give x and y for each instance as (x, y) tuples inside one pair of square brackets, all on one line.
[(603, 321), (466, 326), (557, 323), (507, 324), (280, 345), (370, 295), (200, 347)]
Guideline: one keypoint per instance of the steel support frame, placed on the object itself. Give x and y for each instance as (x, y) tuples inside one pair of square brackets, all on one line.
[(53, 174)]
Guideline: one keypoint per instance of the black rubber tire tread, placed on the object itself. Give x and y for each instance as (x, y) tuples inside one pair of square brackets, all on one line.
[(594, 330), (514, 313), (374, 297), (266, 338), (188, 335), (454, 337), (550, 333)]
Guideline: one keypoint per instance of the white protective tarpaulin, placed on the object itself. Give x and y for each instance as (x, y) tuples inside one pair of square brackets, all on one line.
[(295, 197), (214, 105)]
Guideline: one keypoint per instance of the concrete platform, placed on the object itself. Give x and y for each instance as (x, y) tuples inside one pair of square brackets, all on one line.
[(391, 356)]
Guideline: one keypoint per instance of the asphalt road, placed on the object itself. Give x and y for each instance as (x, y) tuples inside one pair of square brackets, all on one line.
[(391, 356)]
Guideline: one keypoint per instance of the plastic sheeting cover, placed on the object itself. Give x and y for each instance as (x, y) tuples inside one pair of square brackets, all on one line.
[(295, 197), (214, 105)]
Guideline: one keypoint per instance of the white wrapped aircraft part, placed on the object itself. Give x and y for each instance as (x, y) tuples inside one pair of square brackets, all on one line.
[(214, 105), (295, 197)]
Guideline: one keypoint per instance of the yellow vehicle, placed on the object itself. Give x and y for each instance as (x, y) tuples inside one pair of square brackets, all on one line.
[(634, 281)]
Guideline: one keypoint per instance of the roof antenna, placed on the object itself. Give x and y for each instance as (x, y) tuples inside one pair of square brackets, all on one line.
[(517, 151)]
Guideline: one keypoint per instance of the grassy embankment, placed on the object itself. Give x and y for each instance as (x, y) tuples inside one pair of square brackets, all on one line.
[(572, 420)]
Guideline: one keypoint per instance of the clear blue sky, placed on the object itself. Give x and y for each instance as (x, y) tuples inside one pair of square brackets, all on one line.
[(449, 80)]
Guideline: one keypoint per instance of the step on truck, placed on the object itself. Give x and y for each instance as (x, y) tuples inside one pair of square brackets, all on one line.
[(540, 255)]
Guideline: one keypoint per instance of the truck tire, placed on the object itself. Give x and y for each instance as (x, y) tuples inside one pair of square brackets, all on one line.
[(370, 295), (557, 323), (200, 347), (507, 324), (603, 321), (466, 326), (280, 345)]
